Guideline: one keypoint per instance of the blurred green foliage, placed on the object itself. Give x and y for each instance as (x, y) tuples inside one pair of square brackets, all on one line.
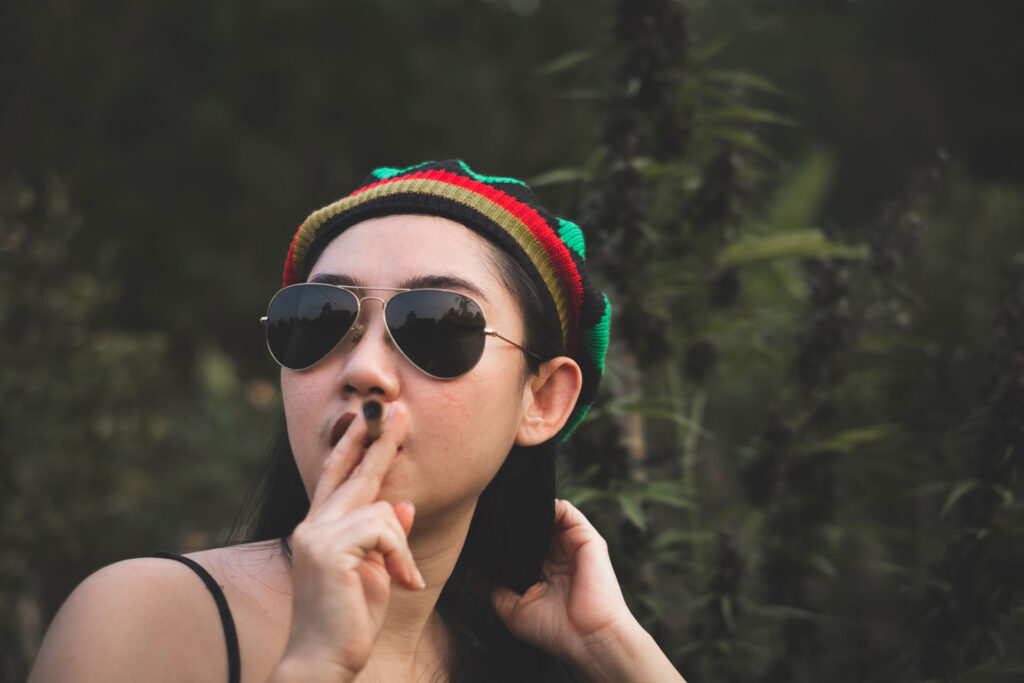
[(808, 451), (108, 446), (821, 427)]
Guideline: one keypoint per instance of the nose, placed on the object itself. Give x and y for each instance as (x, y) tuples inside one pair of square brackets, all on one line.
[(369, 364)]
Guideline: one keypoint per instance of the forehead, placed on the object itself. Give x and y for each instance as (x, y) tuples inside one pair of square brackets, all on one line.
[(388, 250)]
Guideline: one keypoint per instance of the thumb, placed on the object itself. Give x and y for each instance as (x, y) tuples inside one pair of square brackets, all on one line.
[(505, 601)]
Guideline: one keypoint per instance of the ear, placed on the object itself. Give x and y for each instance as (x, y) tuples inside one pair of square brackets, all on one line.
[(549, 398)]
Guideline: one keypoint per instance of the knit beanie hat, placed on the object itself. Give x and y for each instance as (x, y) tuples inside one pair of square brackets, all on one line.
[(503, 210)]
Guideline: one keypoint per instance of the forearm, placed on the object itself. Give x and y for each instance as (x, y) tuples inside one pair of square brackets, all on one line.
[(628, 655)]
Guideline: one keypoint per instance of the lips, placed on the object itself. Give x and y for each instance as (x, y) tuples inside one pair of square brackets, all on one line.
[(340, 427)]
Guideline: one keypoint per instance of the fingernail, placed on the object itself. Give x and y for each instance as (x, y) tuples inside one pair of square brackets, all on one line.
[(418, 580)]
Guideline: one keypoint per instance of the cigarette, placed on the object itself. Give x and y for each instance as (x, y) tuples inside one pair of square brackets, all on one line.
[(372, 411)]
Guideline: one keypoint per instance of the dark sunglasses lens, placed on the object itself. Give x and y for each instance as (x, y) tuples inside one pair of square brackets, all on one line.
[(440, 332), (304, 322)]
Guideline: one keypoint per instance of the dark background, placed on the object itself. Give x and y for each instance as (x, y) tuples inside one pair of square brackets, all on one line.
[(809, 216)]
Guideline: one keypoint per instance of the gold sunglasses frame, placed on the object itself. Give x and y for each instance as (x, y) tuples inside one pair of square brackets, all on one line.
[(360, 328)]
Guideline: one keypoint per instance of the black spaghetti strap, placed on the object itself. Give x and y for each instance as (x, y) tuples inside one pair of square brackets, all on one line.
[(230, 635)]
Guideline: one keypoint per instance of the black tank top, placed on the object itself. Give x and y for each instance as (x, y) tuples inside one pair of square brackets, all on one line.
[(230, 635)]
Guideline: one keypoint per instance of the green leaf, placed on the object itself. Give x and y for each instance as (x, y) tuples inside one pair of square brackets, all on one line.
[(666, 493), (725, 605), (1005, 457), (633, 512), (675, 501), (743, 139), (657, 408), (673, 537), (655, 604), (798, 201), (788, 278), (825, 566), (1004, 493), (783, 612), (704, 52), (565, 62), (745, 79), (581, 495), (795, 244), (846, 442), (958, 492), (739, 114), (884, 342), (557, 176)]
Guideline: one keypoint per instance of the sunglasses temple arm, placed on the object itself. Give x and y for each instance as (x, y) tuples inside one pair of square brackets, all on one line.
[(522, 348)]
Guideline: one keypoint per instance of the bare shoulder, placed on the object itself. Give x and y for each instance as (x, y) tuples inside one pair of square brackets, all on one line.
[(142, 619), (239, 569), (256, 580)]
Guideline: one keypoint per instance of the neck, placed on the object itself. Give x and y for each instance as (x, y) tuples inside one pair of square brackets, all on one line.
[(412, 639)]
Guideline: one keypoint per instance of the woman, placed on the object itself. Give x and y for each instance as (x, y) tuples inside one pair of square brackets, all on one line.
[(429, 547)]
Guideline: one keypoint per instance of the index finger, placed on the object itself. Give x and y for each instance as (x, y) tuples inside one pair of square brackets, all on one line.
[(339, 463), (362, 485), (568, 515), (572, 530)]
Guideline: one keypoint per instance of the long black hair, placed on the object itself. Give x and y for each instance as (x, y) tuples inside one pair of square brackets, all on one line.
[(508, 537)]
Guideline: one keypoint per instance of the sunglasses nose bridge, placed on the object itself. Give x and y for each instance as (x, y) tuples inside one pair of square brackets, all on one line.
[(361, 315), (362, 321), (372, 298)]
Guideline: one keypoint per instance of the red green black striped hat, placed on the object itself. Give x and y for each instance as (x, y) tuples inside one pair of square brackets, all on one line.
[(505, 211)]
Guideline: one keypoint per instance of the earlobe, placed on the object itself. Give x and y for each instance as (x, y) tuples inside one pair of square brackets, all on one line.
[(550, 397)]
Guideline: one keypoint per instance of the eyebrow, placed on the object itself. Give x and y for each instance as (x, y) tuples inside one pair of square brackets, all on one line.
[(335, 279), (418, 282)]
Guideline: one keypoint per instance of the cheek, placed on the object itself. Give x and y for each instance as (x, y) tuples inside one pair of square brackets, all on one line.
[(297, 395), (292, 398), (451, 421), (480, 422)]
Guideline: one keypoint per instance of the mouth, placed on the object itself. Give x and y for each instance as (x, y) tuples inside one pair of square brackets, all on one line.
[(340, 427)]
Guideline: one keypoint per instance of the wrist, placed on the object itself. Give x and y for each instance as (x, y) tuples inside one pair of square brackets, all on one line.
[(624, 652), (602, 655)]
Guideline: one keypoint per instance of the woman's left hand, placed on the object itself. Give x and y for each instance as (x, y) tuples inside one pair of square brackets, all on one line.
[(578, 597), (577, 612)]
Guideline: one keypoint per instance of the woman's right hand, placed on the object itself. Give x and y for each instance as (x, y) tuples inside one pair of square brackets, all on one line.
[(345, 554)]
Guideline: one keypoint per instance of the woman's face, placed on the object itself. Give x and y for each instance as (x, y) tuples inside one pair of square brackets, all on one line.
[(459, 430)]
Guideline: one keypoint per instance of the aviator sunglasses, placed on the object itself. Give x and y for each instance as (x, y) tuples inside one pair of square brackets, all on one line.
[(440, 332)]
